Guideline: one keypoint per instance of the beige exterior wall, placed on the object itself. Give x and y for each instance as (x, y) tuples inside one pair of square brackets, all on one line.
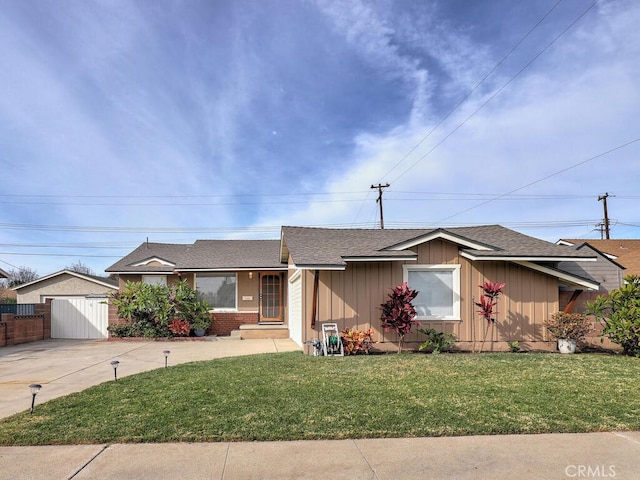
[(59, 286), (351, 298)]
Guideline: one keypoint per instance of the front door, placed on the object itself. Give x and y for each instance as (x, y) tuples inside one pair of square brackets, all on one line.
[(271, 298)]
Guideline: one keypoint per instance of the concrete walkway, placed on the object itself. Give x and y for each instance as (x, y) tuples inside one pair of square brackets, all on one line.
[(553, 456), (65, 366)]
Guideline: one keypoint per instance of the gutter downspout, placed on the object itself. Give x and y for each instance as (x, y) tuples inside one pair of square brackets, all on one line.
[(314, 307), (572, 301)]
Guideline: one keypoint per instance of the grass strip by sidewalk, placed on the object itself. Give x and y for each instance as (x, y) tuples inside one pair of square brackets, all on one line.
[(290, 396)]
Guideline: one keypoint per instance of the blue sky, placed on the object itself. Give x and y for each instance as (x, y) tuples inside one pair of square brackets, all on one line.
[(179, 120)]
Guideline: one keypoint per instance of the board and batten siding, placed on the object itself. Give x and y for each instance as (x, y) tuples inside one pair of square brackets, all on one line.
[(352, 297)]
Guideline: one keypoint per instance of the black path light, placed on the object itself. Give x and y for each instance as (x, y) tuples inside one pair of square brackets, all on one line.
[(166, 357), (115, 364), (34, 388)]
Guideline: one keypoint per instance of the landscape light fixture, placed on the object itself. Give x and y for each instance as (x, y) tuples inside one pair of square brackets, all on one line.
[(35, 388), (115, 364), (166, 357)]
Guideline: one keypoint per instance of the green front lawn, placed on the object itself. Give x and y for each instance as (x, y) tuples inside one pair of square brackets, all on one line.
[(291, 396)]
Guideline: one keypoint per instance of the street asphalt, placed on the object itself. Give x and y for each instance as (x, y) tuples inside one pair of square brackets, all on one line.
[(66, 366)]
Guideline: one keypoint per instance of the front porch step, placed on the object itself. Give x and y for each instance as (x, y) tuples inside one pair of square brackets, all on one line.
[(253, 331)]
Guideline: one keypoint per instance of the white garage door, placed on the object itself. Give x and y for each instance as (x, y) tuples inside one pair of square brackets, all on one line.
[(79, 318)]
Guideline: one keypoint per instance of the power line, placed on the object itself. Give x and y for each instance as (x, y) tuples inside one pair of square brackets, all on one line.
[(545, 178), (472, 91), (496, 93)]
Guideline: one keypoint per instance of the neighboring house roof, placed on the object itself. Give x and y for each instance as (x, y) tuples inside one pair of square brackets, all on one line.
[(104, 281), (3, 274), (203, 255), (626, 253), (323, 247)]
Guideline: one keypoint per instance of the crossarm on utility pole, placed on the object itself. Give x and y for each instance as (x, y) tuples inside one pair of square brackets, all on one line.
[(379, 200), (606, 214)]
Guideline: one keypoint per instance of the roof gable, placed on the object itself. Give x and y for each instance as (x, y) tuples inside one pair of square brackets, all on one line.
[(440, 234), (156, 261), (104, 281)]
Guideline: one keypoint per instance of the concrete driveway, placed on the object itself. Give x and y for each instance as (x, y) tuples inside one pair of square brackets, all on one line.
[(66, 366)]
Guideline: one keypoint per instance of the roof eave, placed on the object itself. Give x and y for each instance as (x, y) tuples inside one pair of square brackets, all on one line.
[(526, 258), (234, 269), (316, 267), (560, 275), (374, 258)]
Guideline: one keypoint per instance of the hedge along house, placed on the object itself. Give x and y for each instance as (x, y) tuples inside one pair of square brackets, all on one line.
[(242, 280), (343, 275)]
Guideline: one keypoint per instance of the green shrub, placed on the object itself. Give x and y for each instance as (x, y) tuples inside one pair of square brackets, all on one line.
[(619, 313), (437, 341), (152, 310)]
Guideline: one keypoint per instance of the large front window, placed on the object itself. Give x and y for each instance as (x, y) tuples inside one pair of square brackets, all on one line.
[(438, 289), (217, 289)]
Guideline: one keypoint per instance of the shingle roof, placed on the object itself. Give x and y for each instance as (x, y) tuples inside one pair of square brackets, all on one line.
[(330, 247), (202, 255), (627, 252), (108, 282)]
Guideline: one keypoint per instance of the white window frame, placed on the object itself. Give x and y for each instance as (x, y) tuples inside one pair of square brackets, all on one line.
[(155, 280), (455, 270), (220, 274)]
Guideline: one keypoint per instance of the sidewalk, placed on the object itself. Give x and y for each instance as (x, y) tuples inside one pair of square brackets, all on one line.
[(548, 456)]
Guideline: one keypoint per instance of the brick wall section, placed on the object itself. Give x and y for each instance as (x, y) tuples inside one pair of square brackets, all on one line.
[(112, 317), (17, 329), (225, 322)]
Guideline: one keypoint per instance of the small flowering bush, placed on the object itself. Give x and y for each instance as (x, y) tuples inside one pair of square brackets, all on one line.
[(356, 341)]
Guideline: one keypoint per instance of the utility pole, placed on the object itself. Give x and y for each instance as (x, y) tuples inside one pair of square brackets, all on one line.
[(606, 214), (379, 200)]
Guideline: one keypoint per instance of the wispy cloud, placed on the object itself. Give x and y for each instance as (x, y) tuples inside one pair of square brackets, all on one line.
[(171, 100)]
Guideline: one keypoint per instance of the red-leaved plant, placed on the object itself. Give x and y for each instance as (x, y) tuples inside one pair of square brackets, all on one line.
[(398, 313), (179, 327), (357, 341), (489, 300), (488, 304)]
